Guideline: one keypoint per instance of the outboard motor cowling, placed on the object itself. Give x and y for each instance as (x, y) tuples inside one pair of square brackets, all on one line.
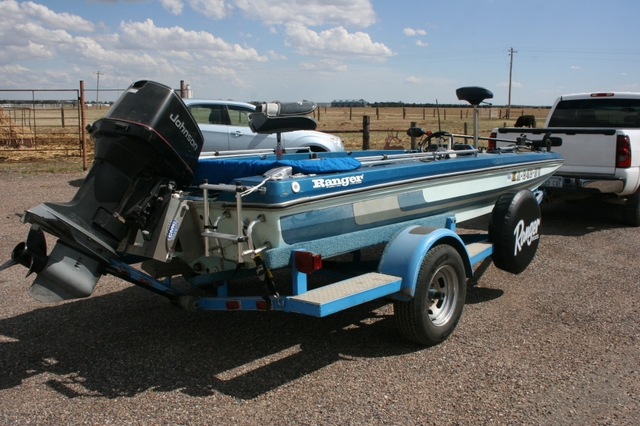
[(146, 147)]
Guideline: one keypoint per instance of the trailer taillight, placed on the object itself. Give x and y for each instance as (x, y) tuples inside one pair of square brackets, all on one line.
[(307, 262), (601, 95), (233, 305), (623, 151), (491, 143)]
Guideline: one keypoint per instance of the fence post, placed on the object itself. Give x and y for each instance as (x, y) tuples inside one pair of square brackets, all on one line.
[(350, 113), (413, 138), (62, 115), (465, 128), (83, 137), (35, 125), (404, 113), (366, 123), (377, 113)]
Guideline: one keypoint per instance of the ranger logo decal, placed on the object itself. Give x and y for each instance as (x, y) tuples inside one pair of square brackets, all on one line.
[(334, 182)]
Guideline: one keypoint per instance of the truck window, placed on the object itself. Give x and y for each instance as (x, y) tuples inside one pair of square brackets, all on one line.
[(601, 112)]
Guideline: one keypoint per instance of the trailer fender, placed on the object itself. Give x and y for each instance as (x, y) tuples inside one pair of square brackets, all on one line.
[(405, 252)]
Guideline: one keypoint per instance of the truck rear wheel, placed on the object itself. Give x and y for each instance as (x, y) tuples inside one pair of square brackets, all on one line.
[(441, 287), (632, 210)]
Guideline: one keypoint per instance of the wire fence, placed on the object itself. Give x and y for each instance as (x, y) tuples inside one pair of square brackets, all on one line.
[(48, 124)]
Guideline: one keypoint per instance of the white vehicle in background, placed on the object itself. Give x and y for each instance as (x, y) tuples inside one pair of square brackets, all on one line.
[(225, 127), (600, 145)]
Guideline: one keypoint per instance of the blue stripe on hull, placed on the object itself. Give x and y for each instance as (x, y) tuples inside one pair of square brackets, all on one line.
[(330, 221)]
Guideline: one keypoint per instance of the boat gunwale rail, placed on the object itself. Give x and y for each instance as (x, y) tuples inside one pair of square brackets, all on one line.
[(271, 206)]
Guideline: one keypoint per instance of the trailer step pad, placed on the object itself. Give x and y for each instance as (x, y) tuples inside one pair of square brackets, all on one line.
[(479, 251), (336, 297)]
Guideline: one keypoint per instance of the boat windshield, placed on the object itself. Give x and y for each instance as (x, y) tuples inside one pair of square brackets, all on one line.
[(599, 112)]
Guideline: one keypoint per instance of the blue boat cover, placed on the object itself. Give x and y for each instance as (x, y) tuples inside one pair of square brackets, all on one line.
[(218, 170)]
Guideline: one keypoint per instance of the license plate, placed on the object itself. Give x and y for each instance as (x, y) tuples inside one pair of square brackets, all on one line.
[(555, 182)]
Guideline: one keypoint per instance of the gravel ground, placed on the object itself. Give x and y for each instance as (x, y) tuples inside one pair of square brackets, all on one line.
[(557, 344)]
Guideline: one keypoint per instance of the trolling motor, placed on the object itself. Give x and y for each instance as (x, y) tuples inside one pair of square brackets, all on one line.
[(146, 147)]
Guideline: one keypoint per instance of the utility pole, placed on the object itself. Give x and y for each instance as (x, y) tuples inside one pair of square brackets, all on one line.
[(98, 87), (511, 52)]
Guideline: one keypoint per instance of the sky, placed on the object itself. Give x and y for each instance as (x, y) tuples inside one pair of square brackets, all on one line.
[(413, 51)]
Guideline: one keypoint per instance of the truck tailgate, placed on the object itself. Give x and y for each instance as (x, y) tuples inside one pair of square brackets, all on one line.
[(594, 153)]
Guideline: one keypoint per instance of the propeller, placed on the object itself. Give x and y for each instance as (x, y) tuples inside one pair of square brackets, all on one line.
[(62, 275), (32, 254)]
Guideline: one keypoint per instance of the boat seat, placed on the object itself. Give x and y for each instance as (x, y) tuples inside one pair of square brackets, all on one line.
[(473, 94), (262, 124)]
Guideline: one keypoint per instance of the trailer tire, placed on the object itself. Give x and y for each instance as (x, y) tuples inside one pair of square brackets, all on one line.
[(514, 230), (441, 287)]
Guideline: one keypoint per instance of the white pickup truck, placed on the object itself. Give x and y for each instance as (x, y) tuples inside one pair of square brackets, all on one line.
[(600, 135)]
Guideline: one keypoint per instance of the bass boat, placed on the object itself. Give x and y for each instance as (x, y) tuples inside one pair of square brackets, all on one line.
[(151, 197)]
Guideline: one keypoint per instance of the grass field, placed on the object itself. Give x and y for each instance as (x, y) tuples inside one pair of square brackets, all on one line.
[(395, 121), (37, 141)]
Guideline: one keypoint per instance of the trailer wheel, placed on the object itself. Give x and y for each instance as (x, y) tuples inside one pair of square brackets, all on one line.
[(514, 230), (432, 315)]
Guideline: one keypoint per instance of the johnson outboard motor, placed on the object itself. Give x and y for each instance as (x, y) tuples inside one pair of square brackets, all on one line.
[(146, 147)]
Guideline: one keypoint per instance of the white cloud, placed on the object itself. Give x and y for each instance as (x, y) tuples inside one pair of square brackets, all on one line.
[(146, 36), (335, 42), (173, 6), (635, 87), (13, 69), (36, 35), (31, 31), (514, 84), (413, 80), (410, 32), (325, 65), (422, 43), (575, 67), (63, 21), (275, 56), (358, 13), (213, 9)]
